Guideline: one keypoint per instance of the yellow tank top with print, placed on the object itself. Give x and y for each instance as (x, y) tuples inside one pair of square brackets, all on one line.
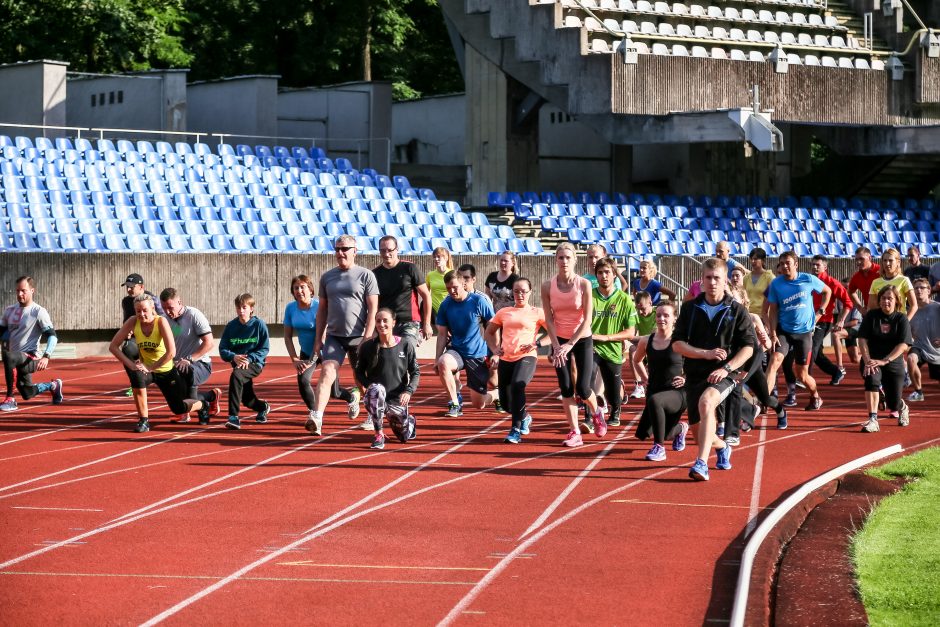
[(152, 347)]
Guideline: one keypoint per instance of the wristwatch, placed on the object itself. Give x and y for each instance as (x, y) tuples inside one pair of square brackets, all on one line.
[(820, 311), (728, 368)]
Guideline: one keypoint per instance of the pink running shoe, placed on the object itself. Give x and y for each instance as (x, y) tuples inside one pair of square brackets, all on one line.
[(600, 425), (573, 439)]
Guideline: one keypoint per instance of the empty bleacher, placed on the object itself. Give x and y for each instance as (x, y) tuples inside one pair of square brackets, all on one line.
[(643, 225), (65, 196), (805, 32)]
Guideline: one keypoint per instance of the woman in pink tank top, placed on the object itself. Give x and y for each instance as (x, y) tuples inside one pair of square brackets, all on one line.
[(569, 309)]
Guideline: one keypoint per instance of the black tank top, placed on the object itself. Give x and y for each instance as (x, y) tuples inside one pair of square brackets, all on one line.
[(664, 366)]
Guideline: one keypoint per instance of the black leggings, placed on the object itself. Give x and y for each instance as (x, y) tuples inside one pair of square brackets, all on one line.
[(171, 384), (514, 376), (241, 389), (664, 409), (756, 380), (891, 378), (24, 365), (583, 355), (819, 357), (613, 383)]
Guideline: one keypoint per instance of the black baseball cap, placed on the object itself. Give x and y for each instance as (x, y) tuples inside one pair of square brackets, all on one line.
[(133, 279)]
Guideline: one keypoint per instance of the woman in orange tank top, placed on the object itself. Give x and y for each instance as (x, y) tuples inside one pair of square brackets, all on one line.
[(569, 309)]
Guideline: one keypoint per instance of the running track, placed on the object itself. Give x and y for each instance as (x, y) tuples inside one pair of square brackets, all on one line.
[(269, 525)]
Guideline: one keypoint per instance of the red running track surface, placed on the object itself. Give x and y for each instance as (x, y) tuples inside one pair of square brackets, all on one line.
[(267, 525)]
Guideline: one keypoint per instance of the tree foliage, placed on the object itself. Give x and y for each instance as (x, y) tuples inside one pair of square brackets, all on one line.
[(306, 42)]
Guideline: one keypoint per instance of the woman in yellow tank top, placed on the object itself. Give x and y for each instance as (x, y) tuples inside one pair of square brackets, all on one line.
[(157, 349)]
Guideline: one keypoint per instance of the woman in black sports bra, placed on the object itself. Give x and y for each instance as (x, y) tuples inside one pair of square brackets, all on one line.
[(665, 393)]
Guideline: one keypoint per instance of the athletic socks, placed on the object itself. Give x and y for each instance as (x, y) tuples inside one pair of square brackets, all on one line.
[(43, 387)]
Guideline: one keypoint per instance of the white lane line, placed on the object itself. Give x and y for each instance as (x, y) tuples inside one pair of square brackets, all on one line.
[(57, 509), (498, 569), (213, 577), (754, 508), (99, 460), (675, 504), (574, 483)]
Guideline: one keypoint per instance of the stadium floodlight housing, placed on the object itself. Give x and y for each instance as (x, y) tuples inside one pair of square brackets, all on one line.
[(779, 58), (896, 67), (931, 41), (888, 7)]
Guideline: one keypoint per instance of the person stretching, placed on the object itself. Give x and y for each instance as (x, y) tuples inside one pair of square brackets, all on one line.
[(388, 367), (245, 344), (154, 364), (569, 310)]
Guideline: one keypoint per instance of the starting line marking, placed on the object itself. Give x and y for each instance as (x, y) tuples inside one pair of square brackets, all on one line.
[(378, 566), (57, 509), (639, 502)]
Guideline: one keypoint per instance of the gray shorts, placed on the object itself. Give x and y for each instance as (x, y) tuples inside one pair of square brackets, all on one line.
[(336, 348)]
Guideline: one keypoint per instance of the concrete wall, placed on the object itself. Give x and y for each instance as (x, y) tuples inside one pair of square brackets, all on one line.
[(572, 157), (155, 100), (430, 130), (33, 93), (240, 106), (353, 120)]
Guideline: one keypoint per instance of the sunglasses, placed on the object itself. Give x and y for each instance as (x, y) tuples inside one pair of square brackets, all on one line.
[(343, 249), (387, 250)]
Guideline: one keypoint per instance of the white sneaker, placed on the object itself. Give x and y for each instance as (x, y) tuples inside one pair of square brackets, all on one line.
[(352, 409), (366, 425), (314, 423), (9, 404), (638, 392), (871, 426), (904, 415)]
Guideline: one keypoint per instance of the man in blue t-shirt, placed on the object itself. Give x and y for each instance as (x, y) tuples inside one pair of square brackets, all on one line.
[(792, 322), (460, 344)]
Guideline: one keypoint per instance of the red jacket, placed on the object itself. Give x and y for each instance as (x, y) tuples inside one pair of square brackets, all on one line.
[(838, 293)]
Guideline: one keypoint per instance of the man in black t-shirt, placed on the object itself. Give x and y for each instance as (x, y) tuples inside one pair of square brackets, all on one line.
[(398, 282), (916, 270)]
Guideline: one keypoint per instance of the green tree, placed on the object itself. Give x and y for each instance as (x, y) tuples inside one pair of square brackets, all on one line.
[(95, 35)]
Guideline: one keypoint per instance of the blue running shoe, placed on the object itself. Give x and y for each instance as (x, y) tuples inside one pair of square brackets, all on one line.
[(143, 426), (721, 430), (790, 400), (514, 437), (262, 416), (460, 399), (699, 471), (526, 425), (233, 422), (781, 418), (454, 410), (724, 458)]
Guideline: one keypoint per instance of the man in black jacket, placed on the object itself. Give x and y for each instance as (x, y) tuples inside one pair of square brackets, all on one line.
[(715, 335)]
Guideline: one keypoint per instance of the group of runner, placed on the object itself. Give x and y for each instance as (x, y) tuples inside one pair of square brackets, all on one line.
[(713, 358)]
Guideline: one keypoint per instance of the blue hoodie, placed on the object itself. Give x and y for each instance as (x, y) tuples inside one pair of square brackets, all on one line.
[(249, 339)]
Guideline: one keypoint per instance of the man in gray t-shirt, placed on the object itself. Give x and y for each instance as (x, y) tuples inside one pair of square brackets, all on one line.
[(22, 326), (193, 337), (925, 330), (349, 299)]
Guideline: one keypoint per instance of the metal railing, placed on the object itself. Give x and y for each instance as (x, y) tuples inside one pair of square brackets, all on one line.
[(354, 144)]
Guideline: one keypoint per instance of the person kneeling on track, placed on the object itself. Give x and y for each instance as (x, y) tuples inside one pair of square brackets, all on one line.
[(157, 349), (884, 338), (22, 326), (388, 367), (245, 344), (665, 387)]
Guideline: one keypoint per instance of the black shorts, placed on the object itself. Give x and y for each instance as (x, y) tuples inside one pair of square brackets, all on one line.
[(933, 370), (694, 391), (851, 337), (800, 343), (478, 372)]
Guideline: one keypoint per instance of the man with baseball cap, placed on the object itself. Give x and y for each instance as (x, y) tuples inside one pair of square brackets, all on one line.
[(134, 284)]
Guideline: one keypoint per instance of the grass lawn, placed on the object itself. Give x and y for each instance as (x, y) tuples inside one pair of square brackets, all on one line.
[(897, 552)]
